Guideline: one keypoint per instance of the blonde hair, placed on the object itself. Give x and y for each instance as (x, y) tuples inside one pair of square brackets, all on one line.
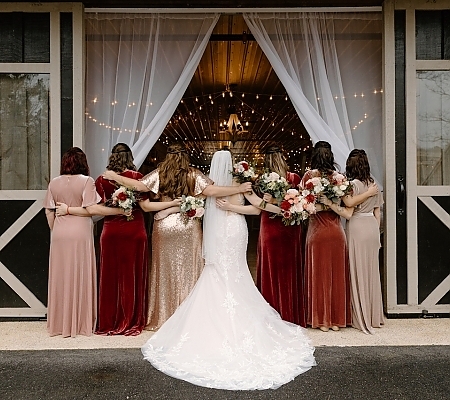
[(274, 161)]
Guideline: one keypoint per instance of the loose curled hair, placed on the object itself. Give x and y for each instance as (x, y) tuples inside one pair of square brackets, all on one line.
[(121, 158), (274, 161), (74, 162), (175, 174), (357, 166), (322, 157)]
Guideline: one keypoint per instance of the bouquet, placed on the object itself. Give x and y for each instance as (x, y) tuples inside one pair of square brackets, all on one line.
[(297, 206), (274, 184), (332, 186), (192, 207), (125, 199), (336, 186), (243, 172)]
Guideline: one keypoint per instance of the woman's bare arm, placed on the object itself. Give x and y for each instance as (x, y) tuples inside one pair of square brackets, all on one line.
[(50, 214), (345, 212), (124, 181), (255, 201), (148, 205), (225, 205), (223, 191), (377, 215), (95, 209), (353, 201)]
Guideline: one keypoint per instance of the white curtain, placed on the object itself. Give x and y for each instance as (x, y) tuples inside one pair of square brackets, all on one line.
[(138, 68), (330, 66)]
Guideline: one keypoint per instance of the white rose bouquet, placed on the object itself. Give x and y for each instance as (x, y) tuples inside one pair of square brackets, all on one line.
[(274, 184), (192, 207)]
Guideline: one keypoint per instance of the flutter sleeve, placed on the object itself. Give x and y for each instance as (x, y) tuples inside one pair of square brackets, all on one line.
[(380, 200), (90, 195), (49, 201), (151, 180), (100, 189), (201, 182)]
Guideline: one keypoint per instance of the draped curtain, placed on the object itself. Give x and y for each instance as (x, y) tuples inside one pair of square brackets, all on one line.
[(138, 68), (330, 66)]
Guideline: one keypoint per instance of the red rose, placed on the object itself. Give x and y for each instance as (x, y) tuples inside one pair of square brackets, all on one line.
[(310, 198), (309, 186), (122, 196), (245, 166), (285, 205), (286, 214), (191, 213)]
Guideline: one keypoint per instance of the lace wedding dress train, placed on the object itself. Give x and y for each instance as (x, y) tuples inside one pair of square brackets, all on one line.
[(225, 335)]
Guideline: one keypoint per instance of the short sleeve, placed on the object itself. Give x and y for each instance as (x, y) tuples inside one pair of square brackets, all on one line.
[(380, 200), (293, 179), (151, 180), (355, 188), (49, 201), (100, 189), (90, 195), (201, 182)]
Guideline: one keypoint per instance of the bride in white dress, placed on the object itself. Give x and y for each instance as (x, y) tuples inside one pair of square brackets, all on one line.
[(225, 335)]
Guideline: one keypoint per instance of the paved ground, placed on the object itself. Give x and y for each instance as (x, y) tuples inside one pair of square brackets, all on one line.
[(406, 372), (406, 359)]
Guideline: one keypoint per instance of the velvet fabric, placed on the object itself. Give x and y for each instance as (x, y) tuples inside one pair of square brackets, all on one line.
[(326, 270), (279, 266), (123, 277)]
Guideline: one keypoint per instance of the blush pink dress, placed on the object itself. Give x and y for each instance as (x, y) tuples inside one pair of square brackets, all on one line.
[(72, 290)]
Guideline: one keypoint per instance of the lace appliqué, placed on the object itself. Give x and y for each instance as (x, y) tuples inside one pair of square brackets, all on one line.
[(230, 303)]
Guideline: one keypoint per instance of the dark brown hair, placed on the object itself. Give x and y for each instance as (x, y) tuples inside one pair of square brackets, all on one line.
[(74, 162), (121, 158), (175, 174), (357, 166), (322, 157)]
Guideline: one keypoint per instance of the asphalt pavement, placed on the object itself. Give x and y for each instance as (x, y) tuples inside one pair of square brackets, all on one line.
[(378, 372)]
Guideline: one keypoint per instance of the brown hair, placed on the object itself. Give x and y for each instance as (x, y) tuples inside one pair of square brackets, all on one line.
[(322, 157), (74, 162), (175, 177), (274, 161), (121, 158), (357, 166)]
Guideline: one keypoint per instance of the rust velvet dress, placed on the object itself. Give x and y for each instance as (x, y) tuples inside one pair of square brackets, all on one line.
[(279, 266), (326, 269), (177, 260), (123, 279)]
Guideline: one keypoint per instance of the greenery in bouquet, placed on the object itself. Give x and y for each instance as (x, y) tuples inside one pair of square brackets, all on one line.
[(243, 172), (125, 199), (336, 186), (297, 207), (192, 208), (274, 184)]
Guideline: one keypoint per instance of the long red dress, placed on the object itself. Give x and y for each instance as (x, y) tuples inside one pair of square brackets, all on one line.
[(279, 265), (123, 286), (326, 269)]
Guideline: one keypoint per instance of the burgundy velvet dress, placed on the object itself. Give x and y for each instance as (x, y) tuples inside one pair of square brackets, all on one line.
[(279, 265), (326, 269), (123, 277)]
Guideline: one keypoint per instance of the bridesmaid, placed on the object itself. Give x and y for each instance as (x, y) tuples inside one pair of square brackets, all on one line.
[(123, 282), (72, 282), (326, 255), (176, 246), (279, 265), (363, 239)]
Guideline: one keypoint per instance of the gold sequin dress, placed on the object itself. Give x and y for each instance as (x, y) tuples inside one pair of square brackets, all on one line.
[(176, 256)]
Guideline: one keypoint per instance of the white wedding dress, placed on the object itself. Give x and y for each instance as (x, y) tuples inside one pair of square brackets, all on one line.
[(225, 335)]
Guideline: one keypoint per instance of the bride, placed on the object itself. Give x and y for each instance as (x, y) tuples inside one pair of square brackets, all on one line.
[(225, 335)]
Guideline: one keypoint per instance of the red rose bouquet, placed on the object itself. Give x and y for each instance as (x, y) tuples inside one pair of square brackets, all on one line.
[(192, 207)]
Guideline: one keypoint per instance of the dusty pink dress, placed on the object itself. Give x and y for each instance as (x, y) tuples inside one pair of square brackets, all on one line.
[(72, 290)]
